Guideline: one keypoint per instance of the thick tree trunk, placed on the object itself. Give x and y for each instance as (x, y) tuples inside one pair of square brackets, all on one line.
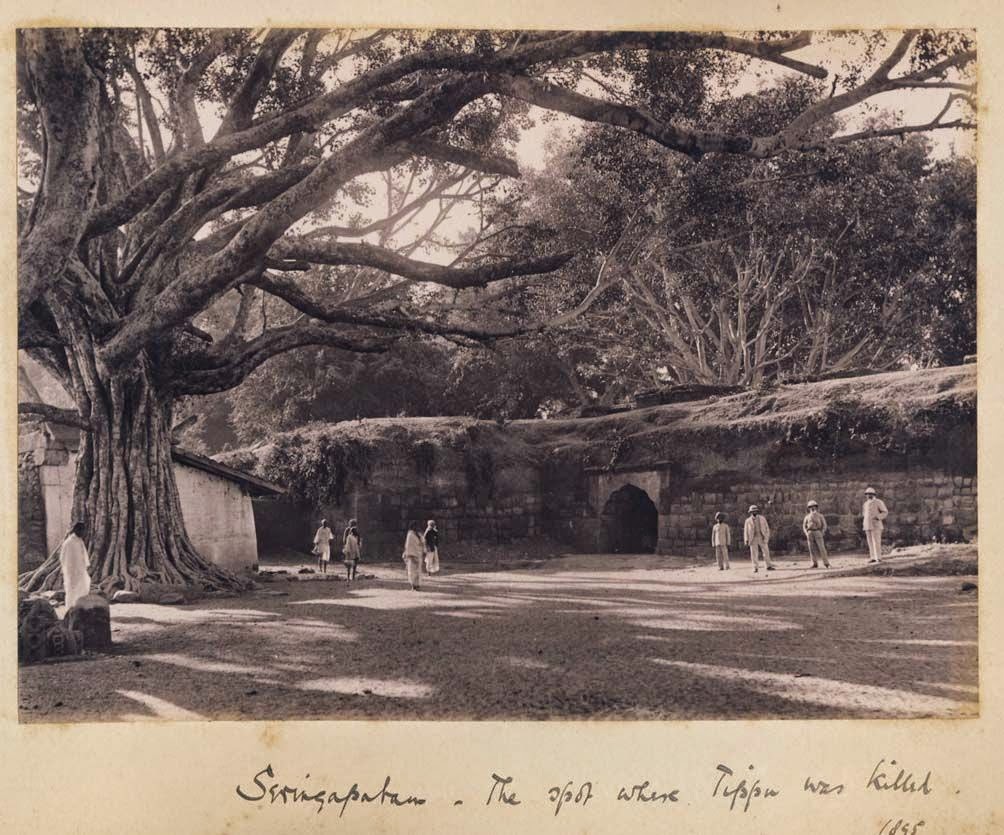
[(126, 491)]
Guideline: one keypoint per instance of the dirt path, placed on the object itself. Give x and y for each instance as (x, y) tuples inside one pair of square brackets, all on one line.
[(575, 638)]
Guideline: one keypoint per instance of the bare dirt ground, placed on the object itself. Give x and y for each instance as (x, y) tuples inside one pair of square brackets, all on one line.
[(610, 637)]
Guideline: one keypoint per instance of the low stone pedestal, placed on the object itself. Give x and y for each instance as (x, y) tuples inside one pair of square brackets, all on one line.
[(40, 635), (91, 617)]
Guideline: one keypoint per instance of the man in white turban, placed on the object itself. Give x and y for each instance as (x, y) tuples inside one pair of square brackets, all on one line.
[(322, 546), (74, 562)]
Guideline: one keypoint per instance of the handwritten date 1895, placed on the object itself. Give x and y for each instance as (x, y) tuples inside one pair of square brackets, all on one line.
[(901, 827)]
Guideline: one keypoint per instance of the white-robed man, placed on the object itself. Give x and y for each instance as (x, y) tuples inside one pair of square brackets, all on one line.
[(756, 534), (322, 546), (74, 562), (414, 551), (873, 512)]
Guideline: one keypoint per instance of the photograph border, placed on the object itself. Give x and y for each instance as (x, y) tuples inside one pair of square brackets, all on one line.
[(181, 776)]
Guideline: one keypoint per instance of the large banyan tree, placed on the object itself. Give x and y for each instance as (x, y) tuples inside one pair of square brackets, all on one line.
[(162, 171)]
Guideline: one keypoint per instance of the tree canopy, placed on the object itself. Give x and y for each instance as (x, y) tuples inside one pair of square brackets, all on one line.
[(734, 272), (194, 203)]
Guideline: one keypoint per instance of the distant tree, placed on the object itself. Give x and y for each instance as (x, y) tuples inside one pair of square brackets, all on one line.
[(948, 220), (134, 223), (329, 386), (737, 271)]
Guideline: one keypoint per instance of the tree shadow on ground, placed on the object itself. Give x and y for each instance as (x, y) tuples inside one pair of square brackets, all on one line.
[(629, 644)]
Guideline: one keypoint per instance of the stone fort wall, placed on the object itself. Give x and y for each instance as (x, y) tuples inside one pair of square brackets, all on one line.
[(923, 505), (910, 435), (496, 502)]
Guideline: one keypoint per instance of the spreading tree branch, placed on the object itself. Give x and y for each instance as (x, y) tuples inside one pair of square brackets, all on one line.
[(505, 166), (310, 115), (270, 344), (293, 295), (55, 60), (66, 417), (366, 255)]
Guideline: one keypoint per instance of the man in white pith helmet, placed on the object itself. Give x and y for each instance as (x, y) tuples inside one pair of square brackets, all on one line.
[(756, 534), (814, 525), (874, 512)]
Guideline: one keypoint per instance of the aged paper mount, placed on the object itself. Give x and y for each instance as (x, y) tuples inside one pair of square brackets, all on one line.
[(182, 777)]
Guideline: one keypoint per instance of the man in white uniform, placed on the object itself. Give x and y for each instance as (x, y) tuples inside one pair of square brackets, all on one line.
[(756, 534), (814, 525), (874, 512)]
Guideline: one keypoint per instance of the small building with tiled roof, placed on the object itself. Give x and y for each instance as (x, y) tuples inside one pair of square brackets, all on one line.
[(215, 498)]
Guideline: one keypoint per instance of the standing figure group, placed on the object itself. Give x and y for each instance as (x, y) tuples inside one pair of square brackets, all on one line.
[(352, 548), (756, 534), (421, 551)]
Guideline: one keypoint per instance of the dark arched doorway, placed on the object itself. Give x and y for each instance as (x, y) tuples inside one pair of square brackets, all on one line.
[(629, 523)]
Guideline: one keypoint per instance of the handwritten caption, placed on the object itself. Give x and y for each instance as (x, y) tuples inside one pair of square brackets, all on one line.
[(740, 790)]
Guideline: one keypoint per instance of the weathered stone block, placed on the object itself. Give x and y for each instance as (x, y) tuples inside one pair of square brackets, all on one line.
[(35, 618), (91, 617)]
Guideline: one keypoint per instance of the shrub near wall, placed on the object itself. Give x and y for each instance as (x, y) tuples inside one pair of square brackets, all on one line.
[(477, 482)]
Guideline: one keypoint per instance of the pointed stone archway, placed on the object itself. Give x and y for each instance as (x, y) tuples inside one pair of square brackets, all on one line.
[(629, 522), (632, 521)]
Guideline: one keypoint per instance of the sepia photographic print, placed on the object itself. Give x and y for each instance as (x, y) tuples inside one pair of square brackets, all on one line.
[(496, 375)]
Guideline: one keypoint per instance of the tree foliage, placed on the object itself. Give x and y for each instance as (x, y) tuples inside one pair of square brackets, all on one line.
[(195, 203), (737, 271)]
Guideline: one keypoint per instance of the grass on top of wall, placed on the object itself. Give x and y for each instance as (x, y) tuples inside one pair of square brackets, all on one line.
[(891, 412)]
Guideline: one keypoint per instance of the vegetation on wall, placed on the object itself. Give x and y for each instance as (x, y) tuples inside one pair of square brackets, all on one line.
[(899, 413), (323, 465), (321, 470), (927, 415), (848, 425)]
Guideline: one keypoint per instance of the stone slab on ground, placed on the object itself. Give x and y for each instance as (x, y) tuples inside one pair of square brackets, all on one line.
[(91, 617), (36, 617)]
